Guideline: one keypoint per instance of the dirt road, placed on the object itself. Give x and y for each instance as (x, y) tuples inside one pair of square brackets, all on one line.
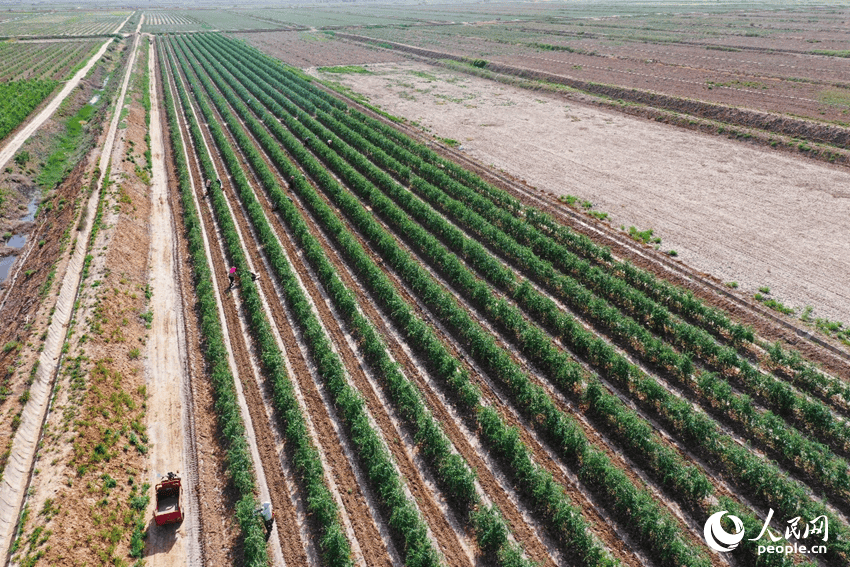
[(15, 143), (17, 473), (170, 450)]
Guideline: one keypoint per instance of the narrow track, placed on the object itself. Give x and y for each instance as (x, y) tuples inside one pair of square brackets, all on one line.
[(167, 366)]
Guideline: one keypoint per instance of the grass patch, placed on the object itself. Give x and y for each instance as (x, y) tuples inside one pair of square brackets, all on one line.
[(834, 97), (831, 52), (347, 69), (645, 236), (66, 153)]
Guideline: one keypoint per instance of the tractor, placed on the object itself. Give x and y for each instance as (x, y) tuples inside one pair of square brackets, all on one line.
[(168, 510)]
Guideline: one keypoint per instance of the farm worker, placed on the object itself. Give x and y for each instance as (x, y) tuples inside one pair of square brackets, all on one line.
[(232, 275), (208, 185), (268, 517), (254, 277)]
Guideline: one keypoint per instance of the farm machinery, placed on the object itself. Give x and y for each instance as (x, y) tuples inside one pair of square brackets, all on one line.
[(168, 492)]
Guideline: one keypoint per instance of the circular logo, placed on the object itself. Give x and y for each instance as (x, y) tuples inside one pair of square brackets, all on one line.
[(719, 539)]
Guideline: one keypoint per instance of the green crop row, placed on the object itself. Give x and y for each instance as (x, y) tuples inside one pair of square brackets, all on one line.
[(520, 219), (797, 450), (18, 99), (627, 498), (665, 463), (812, 458), (451, 470), (238, 459), (566, 520), (404, 519), (334, 546)]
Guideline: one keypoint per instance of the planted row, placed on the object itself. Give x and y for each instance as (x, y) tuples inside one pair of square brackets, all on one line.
[(238, 459), (627, 498), (311, 140), (404, 519), (798, 451), (334, 547), (548, 496)]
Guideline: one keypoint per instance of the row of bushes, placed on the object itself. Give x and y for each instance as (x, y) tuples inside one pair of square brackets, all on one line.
[(334, 546), (799, 452), (668, 466), (336, 142), (408, 527), (594, 464), (423, 340), (451, 470), (239, 466), (681, 301)]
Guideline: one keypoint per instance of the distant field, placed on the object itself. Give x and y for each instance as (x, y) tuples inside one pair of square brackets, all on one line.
[(60, 23)]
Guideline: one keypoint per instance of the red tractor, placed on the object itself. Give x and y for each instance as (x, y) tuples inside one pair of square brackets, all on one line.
[(168, 509)]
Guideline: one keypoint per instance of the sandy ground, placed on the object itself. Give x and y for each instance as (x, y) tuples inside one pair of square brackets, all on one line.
[(15, 143), (739, 213), (16, 474), (165, 364)]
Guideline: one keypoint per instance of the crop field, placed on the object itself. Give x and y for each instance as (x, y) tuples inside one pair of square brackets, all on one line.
[(588, 387), (62, 23), (289, 270), (159, 21), (54, 60)]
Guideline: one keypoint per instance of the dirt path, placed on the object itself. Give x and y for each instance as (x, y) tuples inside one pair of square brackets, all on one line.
[(15, 143), (171, 449), (17, 473), (743, 214), (121, 25)]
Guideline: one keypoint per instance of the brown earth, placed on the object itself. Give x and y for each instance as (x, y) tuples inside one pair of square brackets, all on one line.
[(25, 308), (690, 188)]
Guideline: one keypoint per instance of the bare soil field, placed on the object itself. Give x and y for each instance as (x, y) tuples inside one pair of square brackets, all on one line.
[(761, 61), (740, 213)]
